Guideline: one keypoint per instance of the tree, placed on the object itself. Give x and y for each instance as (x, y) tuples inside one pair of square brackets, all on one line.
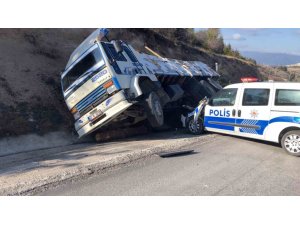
[(227, 49)]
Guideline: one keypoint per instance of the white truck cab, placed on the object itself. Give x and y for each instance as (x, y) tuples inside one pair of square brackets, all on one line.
[(267, 111)]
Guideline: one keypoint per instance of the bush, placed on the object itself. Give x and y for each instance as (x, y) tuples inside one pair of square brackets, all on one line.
[(211, 39), (177, 34), (283, 68)]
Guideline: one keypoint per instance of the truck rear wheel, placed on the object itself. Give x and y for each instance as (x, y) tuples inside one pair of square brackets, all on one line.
[(290, 142), (154, 110)]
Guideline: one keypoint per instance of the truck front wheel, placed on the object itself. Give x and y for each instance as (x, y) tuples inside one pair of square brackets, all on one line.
[(154, 110)]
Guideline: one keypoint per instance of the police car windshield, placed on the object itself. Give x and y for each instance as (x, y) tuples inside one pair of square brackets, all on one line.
[(81, 67), (225, 97)]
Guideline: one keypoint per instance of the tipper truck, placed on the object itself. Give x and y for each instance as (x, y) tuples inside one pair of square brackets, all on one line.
[(109, 85)]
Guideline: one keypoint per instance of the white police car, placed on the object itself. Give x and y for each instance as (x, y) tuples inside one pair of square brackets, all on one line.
[(262, 110)]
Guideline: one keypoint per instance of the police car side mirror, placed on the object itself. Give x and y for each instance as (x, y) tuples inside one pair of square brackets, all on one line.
[(118, 46)]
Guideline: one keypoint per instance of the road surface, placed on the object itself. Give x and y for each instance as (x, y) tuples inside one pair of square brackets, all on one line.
[(225, 166)]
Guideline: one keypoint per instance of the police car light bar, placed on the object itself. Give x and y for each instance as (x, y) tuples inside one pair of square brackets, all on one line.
[(249, 79)]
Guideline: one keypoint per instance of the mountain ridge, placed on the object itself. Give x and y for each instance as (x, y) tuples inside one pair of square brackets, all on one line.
[(272, 59)]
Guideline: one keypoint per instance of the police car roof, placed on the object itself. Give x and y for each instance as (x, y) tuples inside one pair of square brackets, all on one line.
[(294, 85)]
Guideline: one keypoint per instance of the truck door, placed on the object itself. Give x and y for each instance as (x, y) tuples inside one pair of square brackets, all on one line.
[(254, 111), (220, 113)]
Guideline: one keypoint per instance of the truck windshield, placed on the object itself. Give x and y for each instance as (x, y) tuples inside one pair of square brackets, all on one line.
[(82, 67)]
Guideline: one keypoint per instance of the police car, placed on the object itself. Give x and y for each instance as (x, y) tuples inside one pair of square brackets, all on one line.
[(267, 111)]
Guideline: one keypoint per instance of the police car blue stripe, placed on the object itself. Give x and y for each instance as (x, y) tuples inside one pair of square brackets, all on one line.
[(261, 124), (209, 119), (288, 119)]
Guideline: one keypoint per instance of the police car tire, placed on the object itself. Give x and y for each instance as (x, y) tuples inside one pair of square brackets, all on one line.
[(200, 126), (154, 110), (283, 139)]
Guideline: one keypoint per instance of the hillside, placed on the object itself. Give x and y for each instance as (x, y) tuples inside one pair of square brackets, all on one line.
[(30, 63), (294, 70), (32, 59)]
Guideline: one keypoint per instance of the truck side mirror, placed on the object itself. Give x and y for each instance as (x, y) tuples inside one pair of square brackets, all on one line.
[(118, 46)]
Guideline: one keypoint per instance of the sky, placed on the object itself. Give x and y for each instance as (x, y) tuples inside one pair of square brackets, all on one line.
[(279, 40)]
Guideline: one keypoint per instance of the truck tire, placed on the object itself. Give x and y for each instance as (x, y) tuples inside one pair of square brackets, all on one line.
[(154, 110), (147, 86), (290, 142)]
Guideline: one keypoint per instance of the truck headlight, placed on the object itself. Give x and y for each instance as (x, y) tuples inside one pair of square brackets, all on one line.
[(76, 115), (111, 89)]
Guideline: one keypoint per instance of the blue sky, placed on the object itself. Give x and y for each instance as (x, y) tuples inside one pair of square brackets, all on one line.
[(281, 40)]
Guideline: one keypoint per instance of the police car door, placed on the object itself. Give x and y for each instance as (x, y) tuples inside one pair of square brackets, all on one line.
[(221, 110), (254, 110)]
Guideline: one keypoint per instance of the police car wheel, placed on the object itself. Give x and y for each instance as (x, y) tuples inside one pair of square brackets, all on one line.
[(291, 142), (195, 127)]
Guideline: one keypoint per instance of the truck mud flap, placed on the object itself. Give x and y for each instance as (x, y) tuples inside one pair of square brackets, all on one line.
[(195, 89), (208, 87), (214, 84)]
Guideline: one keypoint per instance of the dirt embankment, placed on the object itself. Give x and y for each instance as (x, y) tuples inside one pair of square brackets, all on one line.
[(30, 64), (31, 61)]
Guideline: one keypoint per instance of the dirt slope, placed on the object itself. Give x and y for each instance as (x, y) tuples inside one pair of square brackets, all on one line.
[(30, 63), (32, 59)]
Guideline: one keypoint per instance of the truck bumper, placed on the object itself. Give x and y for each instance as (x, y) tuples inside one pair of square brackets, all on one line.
[(111, 108)]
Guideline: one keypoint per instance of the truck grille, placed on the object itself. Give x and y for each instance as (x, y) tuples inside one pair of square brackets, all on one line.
[(91, 100)]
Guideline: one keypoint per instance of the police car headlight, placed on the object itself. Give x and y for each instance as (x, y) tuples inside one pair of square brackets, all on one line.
[(77, 115), (111, 89)]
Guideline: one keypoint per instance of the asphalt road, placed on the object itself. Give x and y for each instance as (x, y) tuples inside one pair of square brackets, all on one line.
[(225, 166)]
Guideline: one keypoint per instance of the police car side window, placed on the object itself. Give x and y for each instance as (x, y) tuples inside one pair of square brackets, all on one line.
[(287, 97), (256, 96), (225, 97)]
